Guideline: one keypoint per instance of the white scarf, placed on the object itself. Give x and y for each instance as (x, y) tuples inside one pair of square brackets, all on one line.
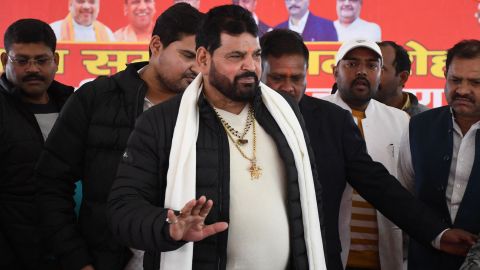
[(181, 175)]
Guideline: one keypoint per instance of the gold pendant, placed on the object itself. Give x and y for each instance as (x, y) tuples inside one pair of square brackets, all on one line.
[(242, 141), (255, 171)]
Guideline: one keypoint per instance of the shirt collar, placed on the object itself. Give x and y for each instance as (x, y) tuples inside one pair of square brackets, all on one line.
[(300, 26)]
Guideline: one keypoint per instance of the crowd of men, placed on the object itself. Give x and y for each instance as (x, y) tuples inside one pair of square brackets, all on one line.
[(211, 156)]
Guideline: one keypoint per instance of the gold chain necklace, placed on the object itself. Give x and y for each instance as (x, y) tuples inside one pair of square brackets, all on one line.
[(255, 170), (241, 137)]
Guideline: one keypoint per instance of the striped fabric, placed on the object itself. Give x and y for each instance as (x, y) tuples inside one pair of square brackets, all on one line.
[(363, 227)]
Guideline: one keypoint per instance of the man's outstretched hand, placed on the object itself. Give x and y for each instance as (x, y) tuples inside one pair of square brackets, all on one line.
[(189, 225), (457, 242)]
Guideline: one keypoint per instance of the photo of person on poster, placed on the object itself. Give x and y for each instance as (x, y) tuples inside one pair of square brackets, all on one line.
[(350, 26), (193, 3), (310, 26), (251, 5), (81, 23), (140, 14)]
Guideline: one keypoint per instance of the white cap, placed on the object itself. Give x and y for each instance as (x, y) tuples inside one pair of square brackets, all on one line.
[(357, 43)]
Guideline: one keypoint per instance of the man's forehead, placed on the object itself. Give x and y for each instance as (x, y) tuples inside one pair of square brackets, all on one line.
[(37, 48), (464, 66), (242, 42), (287, 60), (388, 53)]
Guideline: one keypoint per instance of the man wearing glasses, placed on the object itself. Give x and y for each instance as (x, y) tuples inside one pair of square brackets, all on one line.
[(29, 104)]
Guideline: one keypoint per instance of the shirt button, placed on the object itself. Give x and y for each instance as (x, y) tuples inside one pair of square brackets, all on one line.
[(446, 158)]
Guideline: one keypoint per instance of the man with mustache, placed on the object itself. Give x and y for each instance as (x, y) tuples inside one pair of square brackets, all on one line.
[(81, 23), (90, 137), (369, 240), (302, 21), (235, 141), (340, 152), (350, 26), (30, 100), (440, 155), (140, 15)]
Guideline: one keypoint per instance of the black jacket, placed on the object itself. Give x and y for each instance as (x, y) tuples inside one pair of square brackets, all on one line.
[(341, 156), (135, 205), (21, 142), (86, 144)]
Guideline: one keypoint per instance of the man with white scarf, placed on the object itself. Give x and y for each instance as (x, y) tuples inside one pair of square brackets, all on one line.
[(235, 141)]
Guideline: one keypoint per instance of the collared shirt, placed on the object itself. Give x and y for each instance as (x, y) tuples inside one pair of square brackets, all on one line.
[(358, 29), (300, 26), (460, 168)]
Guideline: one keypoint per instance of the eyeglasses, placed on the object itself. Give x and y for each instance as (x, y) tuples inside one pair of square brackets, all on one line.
[(24, 61), (355, 65)]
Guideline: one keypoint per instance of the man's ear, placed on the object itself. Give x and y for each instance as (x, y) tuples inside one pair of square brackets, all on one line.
[(4, 59), (203, 60), (335, 72), (155, 45), (56, 59), (404, 75)]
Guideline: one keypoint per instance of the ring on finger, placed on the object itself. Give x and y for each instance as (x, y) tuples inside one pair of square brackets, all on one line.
[(172, 221)]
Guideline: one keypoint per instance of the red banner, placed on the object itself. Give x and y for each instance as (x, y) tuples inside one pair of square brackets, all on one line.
[(425, 28)]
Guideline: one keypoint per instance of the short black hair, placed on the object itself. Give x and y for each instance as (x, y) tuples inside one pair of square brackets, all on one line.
[(176, 22), (229, 19), (465, 49), (280, 42), (29, 31), (402, 60)]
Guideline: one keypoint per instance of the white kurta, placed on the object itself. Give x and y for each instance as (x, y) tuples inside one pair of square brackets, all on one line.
[(382, 128)]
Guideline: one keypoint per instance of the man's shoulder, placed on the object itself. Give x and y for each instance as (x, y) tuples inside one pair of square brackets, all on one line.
[(319, 20), (389, 111), (123, 81), (368, 24), (315, 105), (282, 25), (432, 114)]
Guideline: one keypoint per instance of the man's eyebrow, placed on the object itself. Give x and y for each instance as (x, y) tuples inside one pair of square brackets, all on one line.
[(187, 51)]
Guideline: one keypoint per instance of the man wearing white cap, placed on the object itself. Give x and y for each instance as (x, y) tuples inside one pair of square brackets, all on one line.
[(369, 240)]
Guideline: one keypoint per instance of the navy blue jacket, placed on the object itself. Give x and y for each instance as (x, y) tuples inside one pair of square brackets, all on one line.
[(431, 146), (316, 29)]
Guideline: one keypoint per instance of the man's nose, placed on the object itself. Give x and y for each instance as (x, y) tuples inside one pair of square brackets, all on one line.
[(195, 68), (32, 66), (248, 64), (287, 86), (463, 88), (362, 70), (142, 4)]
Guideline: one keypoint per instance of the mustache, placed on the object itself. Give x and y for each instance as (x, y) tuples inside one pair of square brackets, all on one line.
[(33, 76), (467, 97), (247, 74), (361, 79)]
